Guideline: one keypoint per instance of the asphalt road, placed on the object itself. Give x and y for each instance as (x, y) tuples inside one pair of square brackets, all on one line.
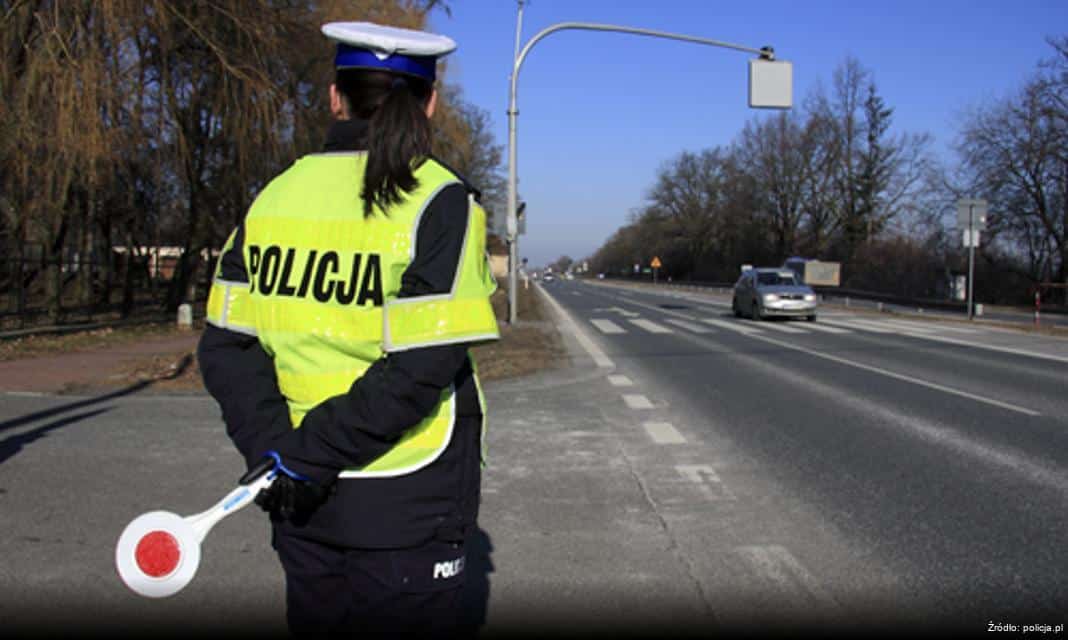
[(860, 467), (686, 472)]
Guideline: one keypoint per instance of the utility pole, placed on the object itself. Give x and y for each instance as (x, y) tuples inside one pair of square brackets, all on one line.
[(971, 216), (512, 218), (770, 86)]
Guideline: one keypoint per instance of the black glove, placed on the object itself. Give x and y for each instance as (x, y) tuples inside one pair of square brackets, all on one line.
[(291, 496)]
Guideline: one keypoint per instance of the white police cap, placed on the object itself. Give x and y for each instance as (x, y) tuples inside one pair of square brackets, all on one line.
[(365, 45)]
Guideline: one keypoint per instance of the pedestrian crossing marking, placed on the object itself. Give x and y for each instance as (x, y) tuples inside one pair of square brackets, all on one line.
[(689, 326), (901, 326), (733, 326), (620, 381), (860, 324), (607, 326), (650, 326), (781, 327), (943, 327), (815, 326)]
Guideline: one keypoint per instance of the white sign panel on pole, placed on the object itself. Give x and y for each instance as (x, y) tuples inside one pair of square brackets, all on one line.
[(771, 84), (971, 212)]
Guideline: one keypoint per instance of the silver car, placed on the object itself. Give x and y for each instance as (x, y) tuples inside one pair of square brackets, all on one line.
[(761, 293)]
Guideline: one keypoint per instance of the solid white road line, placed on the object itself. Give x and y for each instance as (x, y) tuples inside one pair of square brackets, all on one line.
[(637, 401), (973, 342), (591, 348), (663, 433), (607, 326), (650, 326), (990, 347), (620, 381), (689, 326), (902, 377)]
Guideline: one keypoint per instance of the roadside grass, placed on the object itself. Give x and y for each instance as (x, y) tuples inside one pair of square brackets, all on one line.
[(532, 345)]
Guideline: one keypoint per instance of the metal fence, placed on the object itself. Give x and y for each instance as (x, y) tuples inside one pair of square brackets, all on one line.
[(72, 288)]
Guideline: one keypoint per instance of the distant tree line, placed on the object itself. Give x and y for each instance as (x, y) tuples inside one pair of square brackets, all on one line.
[(127, 124), (831, 180)]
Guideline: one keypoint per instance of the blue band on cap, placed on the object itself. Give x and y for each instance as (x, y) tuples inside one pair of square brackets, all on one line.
[(422, 66)]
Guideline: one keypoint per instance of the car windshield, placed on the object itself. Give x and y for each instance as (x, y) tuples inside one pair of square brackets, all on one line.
[(776, 278)]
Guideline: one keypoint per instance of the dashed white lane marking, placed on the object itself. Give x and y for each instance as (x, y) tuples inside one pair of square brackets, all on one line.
[(26, 394), (707, 481), (816, 326), (778, 326), (607, 326), (733, 326), (777, 565), (637, 401), (620, 381), (664, 433), (689, 326), (650, 326)]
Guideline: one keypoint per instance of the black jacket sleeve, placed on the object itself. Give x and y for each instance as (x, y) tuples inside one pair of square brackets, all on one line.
[(400, 389), (240, 375)]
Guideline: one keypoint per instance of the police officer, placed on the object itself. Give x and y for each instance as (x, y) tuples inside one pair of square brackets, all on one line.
[(337, 342)]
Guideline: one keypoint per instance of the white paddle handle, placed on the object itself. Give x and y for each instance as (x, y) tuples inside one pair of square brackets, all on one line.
[(231, 503)]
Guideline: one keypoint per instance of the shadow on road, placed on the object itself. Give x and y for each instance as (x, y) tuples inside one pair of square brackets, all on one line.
[(478, 566), (13, 444)]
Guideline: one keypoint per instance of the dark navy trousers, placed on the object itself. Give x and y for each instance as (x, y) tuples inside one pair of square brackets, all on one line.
[(373, 591)]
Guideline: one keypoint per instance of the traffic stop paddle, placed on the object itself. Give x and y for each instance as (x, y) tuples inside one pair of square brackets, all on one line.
[(158, 552)]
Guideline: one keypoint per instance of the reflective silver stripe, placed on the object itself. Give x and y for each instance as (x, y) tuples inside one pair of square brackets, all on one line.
[(454, 340), (224, 316), (390, 473), (226, 303), (387, 339)]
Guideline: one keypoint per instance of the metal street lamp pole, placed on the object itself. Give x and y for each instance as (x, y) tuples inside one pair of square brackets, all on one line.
[(971, 260), (513, 112)]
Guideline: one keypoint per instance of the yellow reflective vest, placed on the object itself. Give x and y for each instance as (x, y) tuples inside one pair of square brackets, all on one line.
[(322, 290)]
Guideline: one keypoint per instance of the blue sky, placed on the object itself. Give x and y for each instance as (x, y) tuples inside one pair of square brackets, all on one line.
[(600, 113)]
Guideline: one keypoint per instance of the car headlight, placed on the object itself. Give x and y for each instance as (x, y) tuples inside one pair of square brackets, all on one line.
[(770, 297), (810, 297)]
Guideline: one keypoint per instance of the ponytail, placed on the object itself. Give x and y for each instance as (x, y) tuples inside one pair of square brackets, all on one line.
[(398, 132)]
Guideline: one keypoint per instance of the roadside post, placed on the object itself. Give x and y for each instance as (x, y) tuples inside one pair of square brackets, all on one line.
[(185, 316), (770, 87), (971, 218)]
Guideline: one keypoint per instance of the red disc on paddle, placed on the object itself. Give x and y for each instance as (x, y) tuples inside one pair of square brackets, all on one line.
[(157, 553)]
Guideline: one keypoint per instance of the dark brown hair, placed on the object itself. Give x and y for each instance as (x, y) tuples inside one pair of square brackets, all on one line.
[(398, 133)]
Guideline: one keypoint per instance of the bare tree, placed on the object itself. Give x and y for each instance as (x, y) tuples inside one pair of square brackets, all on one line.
[(463, 139), (779, 154), (1014, 153)]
